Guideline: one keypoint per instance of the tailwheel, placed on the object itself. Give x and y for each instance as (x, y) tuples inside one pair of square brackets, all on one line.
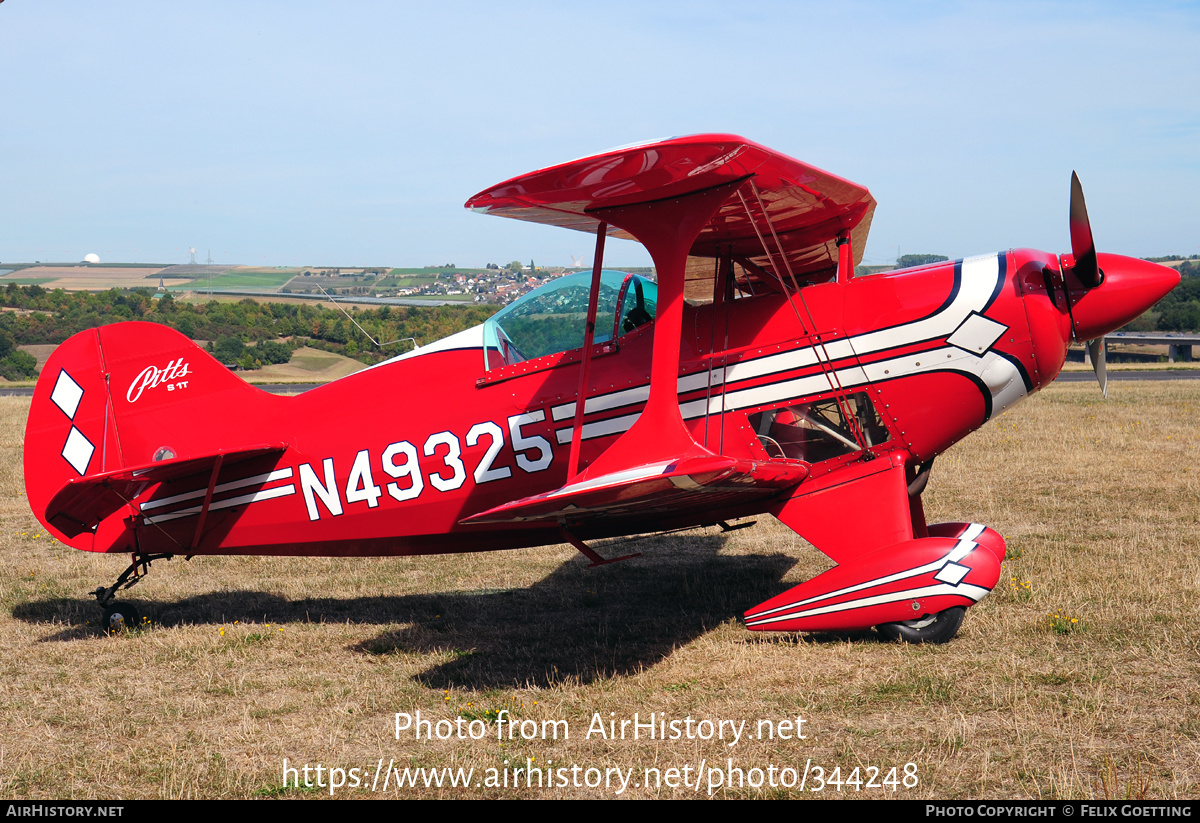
[(119, 617), (935, 628)]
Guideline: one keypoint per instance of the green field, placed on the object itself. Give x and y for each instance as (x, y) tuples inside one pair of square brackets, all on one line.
[(28, 281), (251, 280), (306, 366), (409, 282)]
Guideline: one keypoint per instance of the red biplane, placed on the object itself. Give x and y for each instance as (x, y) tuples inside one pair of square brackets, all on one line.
[(758, 374)]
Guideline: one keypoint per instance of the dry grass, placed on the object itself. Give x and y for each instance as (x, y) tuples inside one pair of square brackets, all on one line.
[(306, 366), (41, 351), (252, 660)]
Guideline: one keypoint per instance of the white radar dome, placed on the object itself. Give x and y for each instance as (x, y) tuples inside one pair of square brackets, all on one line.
[(92, 258)]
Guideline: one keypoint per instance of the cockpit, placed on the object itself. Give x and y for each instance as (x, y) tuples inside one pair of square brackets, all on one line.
[(553, 318)]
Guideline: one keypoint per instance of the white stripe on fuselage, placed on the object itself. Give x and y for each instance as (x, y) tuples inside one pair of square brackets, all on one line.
[(977, 283), (270, 477), (228, 503)]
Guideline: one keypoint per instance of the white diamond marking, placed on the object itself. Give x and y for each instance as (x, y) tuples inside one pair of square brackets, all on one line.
[(78, 451), (67, 394), (977, 334), (952, 573)]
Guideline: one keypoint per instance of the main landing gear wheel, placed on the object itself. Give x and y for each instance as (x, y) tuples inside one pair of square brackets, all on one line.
[(118, 617), (937, 628)]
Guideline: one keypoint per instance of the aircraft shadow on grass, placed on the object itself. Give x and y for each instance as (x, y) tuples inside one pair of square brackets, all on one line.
[(576, 624)]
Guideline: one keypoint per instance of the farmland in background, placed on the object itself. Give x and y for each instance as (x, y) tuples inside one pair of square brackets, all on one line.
[(35, 316)]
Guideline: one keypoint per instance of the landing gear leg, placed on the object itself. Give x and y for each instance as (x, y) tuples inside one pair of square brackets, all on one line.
[(119, 616)]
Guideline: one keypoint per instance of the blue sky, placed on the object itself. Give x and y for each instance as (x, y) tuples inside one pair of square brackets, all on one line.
[(298, 133)]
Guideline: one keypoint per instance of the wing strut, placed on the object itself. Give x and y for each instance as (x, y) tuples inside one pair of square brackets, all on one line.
[(212, 484), (720, 309), (589, 335), (590, 553), (667, 228)]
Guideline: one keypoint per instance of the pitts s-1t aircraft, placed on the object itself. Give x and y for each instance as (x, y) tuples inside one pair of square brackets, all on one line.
[(759, 374)]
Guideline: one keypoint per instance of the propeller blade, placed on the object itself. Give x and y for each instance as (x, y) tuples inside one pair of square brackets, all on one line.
[(1096, 352), (1083, 249)]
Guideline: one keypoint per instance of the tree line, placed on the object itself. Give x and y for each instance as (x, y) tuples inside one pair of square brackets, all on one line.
[(44, 316)]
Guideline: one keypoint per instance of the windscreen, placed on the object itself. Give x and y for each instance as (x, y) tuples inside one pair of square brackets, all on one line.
[(552, 319)]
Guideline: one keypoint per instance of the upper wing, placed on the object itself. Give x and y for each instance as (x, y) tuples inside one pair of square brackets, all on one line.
[(807, 208)]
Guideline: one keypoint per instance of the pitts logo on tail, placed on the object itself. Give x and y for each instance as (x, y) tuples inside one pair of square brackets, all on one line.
[(152, 377)]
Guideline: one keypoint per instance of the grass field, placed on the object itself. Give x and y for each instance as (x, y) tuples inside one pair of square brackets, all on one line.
[(250, 280), (409, 282), (41, 351), (29, 281), (246, 662)]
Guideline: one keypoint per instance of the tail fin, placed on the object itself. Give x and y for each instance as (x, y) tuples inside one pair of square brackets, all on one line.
[(127, 396)]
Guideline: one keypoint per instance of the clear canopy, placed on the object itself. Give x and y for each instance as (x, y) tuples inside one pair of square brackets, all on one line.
[(553, 318)]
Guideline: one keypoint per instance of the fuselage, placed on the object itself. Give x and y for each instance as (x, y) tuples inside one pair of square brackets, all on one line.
[(389, 461)]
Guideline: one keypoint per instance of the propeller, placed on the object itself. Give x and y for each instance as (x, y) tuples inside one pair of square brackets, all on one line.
[(1083, 249), (1087, 270), (1096, 353)]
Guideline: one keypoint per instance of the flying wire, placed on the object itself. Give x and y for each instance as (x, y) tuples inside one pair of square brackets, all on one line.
[(825, 361), (361, 329)]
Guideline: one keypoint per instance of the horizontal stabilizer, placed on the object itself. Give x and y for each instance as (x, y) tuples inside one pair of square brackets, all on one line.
[(697, 482), (83, 502)]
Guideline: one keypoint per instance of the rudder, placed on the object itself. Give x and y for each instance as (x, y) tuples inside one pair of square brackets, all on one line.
[(129, 394)]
